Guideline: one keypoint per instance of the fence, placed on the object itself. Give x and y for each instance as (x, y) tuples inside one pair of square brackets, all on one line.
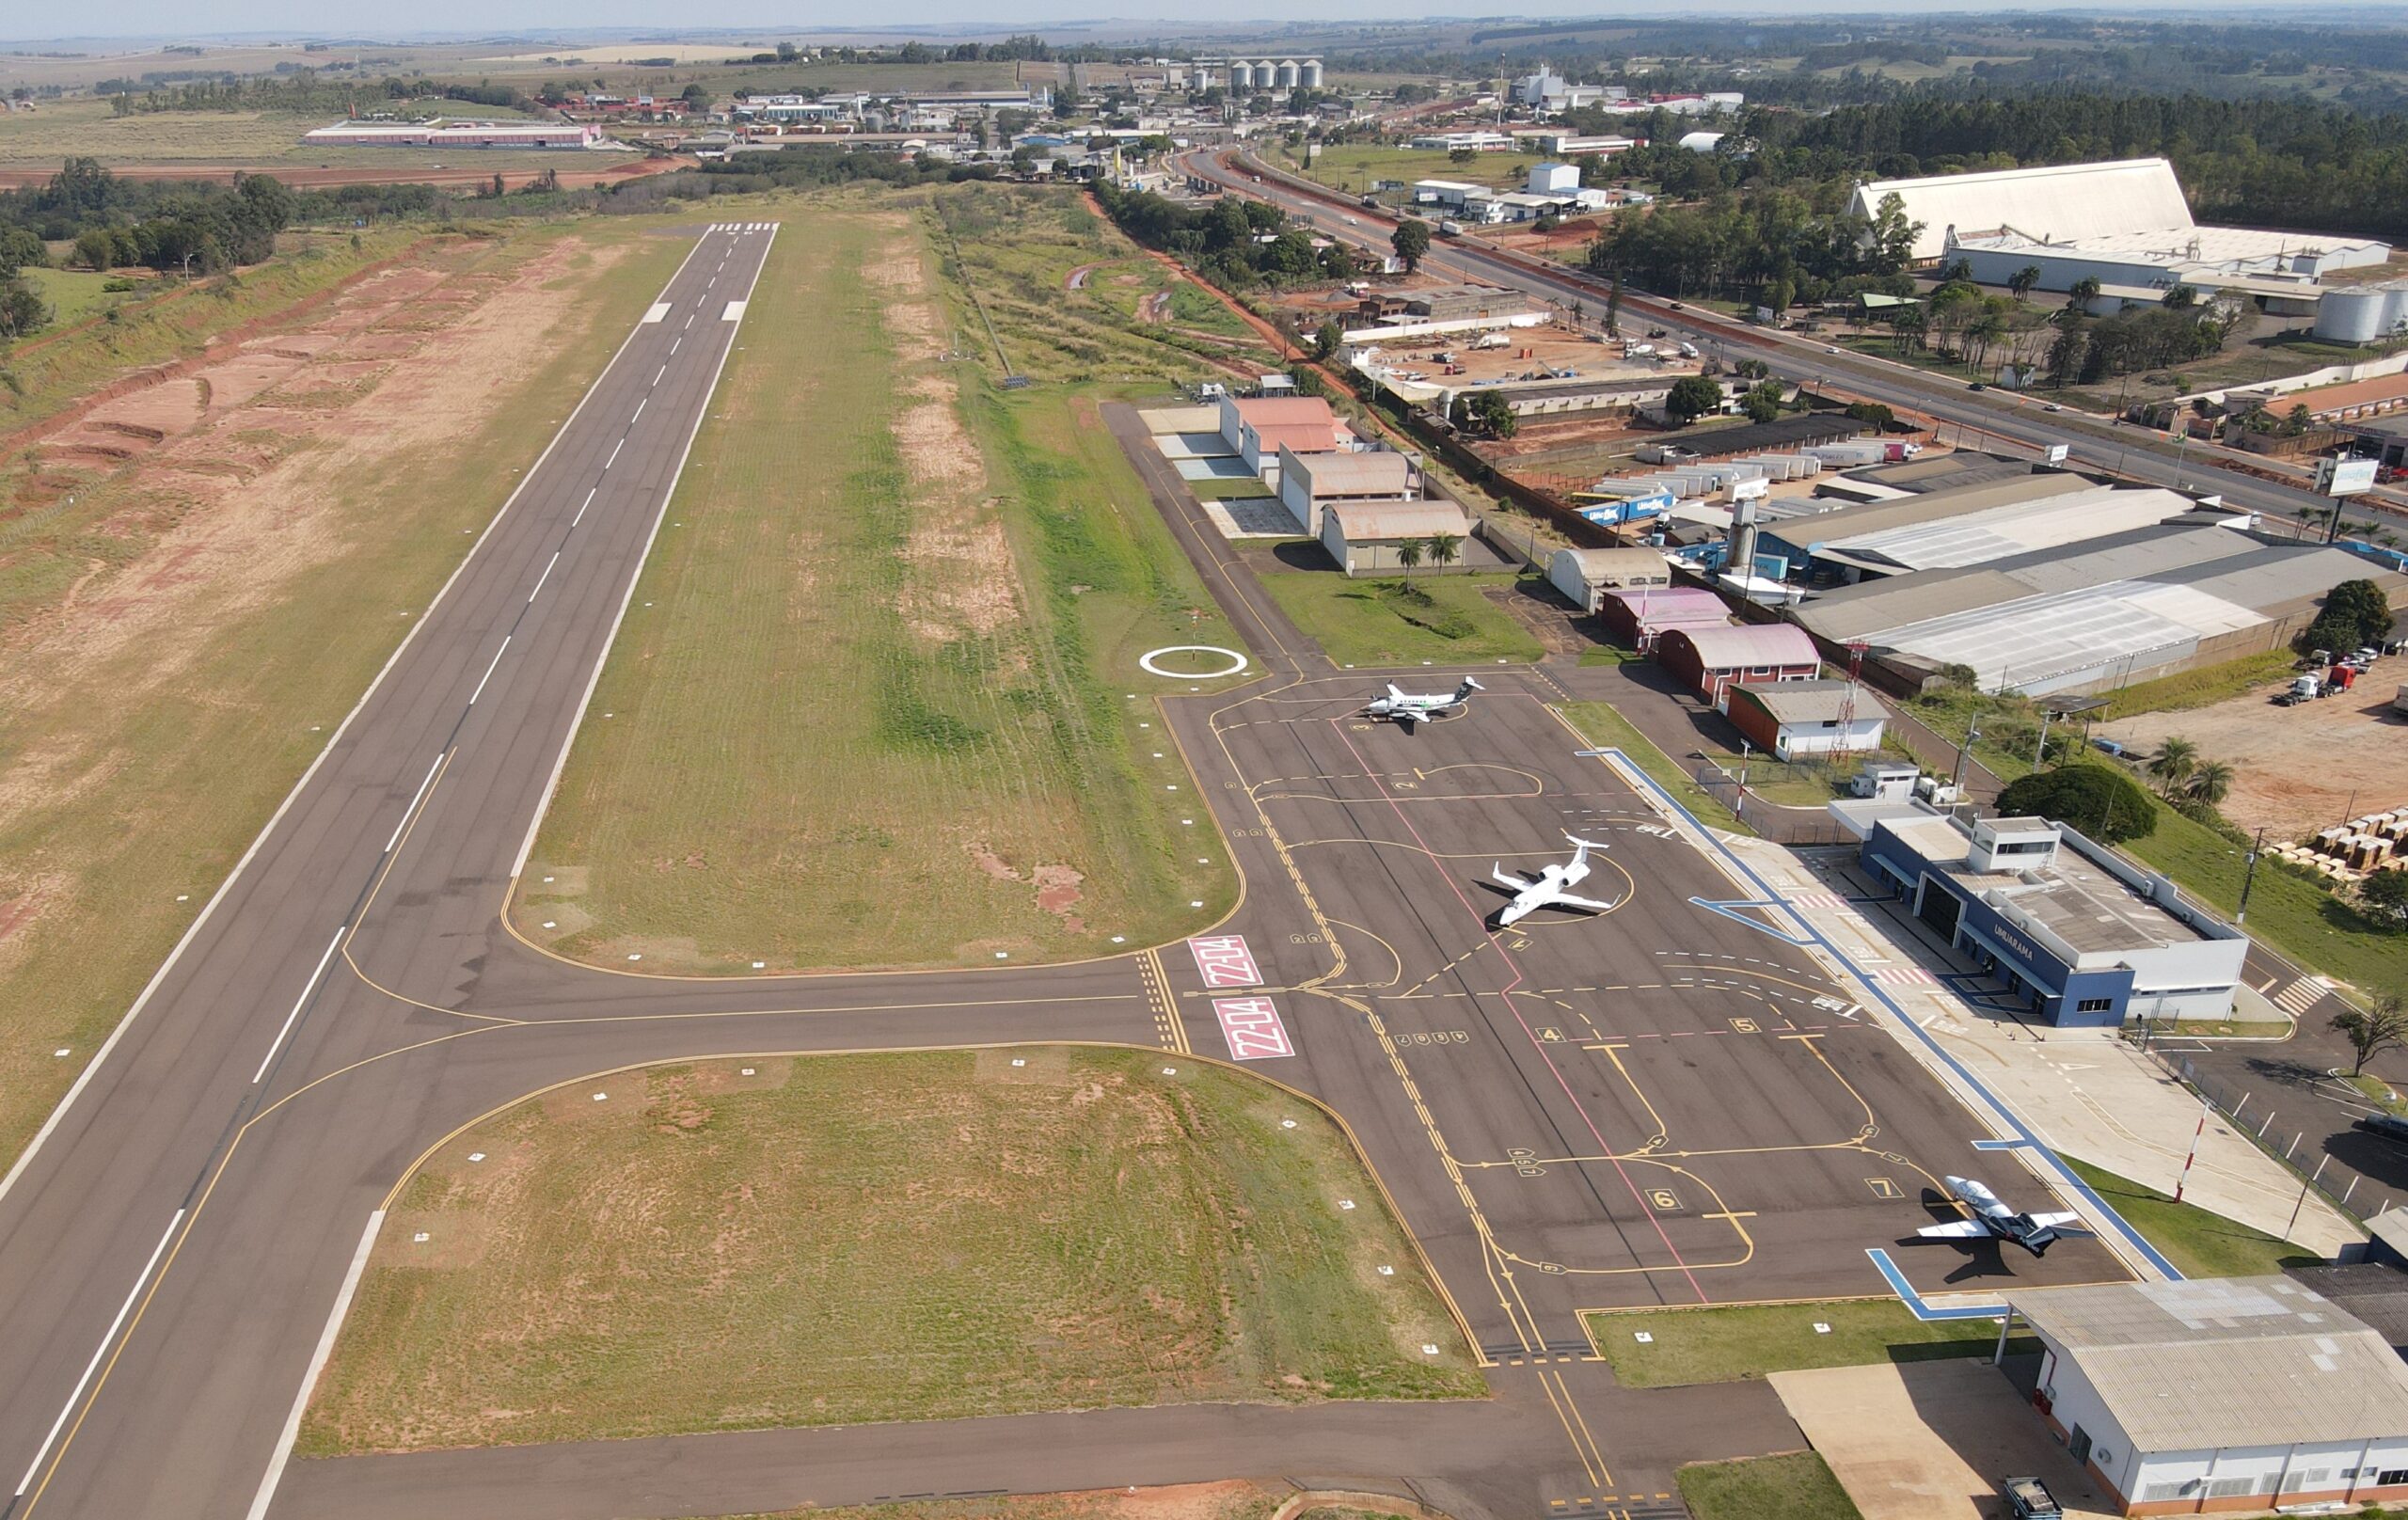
[(1782, 825), (2257, 1110)]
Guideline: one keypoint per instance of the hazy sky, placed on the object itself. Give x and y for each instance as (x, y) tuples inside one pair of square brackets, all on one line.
[(171, 19)]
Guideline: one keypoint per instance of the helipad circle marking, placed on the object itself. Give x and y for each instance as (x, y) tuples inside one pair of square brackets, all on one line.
[(1146, 661)]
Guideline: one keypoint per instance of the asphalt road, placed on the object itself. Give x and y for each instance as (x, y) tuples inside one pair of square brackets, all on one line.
[(2020, 424), (1647, 1106)]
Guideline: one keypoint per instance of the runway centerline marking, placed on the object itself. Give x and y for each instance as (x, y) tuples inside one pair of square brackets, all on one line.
[(615, 452), (546, 576), (582, 505), (98, 1351), (631, 421), (306, 987), (416, 798), (490, 670)]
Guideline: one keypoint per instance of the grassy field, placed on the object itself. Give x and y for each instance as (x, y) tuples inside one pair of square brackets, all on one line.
[(1434, 618), (134, 799), (1796, 1486), (1016, 247), (75, 294), (1608, 729), (1725, 1345), (845, 1239), (1355, 168), (873, 701), (2202, 687), (2201, 1243)]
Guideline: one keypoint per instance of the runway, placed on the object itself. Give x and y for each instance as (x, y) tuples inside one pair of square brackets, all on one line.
[(1655, 1105)]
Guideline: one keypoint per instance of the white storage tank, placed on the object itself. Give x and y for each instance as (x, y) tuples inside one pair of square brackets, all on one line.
[(1241, 74), (1287, 74), (2356, 316), (1309, 74)]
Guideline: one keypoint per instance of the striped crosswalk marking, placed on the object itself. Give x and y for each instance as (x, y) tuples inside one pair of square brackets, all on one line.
[(1903, 975), (2300, 995)]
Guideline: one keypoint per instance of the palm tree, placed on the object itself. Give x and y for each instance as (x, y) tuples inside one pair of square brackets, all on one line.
[(1408, 555), (2175, 759), (2211, 783), (1443, 549)]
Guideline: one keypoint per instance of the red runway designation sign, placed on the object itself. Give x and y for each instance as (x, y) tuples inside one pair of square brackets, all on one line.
[(1252, 1027), (1223, 961)]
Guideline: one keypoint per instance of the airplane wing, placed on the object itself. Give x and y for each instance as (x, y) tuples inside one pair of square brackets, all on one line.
[(1497, 873), (2054, 1221), (1962, 1230), (1565, 899)]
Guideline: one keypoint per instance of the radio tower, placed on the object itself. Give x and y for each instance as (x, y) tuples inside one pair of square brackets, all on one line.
[(1855, 649)]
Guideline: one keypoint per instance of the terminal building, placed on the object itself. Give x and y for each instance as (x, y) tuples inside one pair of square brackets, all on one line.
[(2070, 930), (2123, 223)]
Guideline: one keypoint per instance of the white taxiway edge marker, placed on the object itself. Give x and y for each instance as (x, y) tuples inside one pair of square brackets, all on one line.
[(306, 987), (317, 1364), (99, 1352), (410, 810), (490, 670), (540, 580)]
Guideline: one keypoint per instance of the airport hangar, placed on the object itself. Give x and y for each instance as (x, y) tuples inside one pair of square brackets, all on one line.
[(2124, 223)]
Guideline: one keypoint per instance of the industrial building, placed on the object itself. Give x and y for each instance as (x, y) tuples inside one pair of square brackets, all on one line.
[(2123, 223), (1260, 429), (1709, 659), (1587, 576), (2220, 1394), (1968, 524), (440, 132), (1807, 719), (2362, 313), (2093, 614), (1641, 616), (1363, 536), (2077, 933), (1271, 72), (1311, 484)]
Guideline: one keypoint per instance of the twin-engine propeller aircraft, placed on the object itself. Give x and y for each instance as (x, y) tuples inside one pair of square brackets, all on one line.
[(1408, 708)]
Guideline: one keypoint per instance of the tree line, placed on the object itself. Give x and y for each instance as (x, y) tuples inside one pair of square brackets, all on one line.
[(1235, 243)]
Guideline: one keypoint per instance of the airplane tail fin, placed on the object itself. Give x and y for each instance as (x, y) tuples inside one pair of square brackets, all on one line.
[(2038, 1241), (1469, 686)]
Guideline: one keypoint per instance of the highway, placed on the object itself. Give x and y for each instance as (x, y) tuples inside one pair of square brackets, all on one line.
[(1674, 1102), (2020, 424)]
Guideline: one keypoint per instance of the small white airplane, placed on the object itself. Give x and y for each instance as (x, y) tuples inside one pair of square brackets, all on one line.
[(1406, 707), (1549, 888), (1994, 1220)]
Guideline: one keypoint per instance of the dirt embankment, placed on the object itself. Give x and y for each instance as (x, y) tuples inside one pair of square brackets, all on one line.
[(573, 175)]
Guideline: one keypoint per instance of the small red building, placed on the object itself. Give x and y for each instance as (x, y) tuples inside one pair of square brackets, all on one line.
[(1710, 660), (1639, 615)]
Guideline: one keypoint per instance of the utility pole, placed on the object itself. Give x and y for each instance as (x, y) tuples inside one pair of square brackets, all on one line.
[(2249, 874), (2185, 1178), (1973, 731)]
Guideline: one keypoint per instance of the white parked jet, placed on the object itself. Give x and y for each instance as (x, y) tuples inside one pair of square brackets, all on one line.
[(1406, 707), (1549, 888), (1992, 1219)]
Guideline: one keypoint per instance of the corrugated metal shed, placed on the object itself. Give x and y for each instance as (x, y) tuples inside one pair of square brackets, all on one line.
[(2000, 532), (1365, 521), (2211, 1363), (1722, 648)]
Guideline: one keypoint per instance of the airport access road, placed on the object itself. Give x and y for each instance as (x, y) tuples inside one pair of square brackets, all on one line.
[(2091, 443)]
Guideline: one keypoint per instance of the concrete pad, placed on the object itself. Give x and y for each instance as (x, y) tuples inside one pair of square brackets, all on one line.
[(1226, 468), (1182, 419), (1254, 517), (1930, 1440), (1193, 446)]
